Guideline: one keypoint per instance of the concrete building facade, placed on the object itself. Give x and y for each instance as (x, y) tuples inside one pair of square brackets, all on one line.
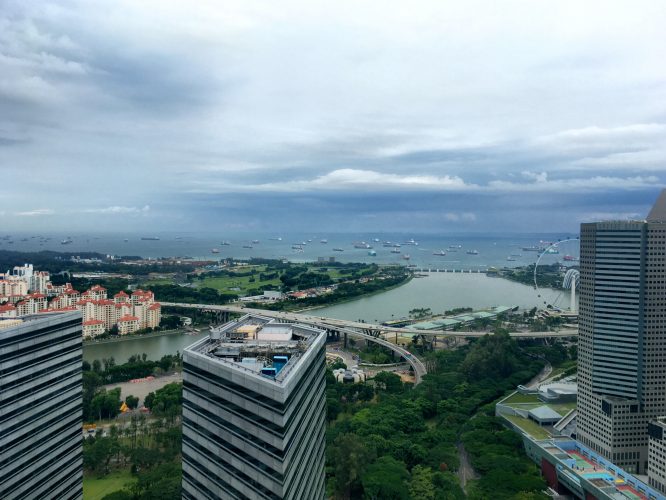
[(41, 454), (622, 336), (254, 412)]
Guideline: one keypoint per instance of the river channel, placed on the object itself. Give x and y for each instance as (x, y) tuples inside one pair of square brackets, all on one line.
[(438, 291)]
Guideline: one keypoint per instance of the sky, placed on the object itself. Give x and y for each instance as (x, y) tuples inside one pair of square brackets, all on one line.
[(424, 116)]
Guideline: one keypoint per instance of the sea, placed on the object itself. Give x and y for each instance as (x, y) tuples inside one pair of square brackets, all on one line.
[(446, 251)]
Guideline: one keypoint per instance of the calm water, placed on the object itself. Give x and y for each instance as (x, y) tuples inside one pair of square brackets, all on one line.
[(493, 250), (154, 347), (438, 291), (444, 291)]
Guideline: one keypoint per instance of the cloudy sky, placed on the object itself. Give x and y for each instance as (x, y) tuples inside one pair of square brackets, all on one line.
[(342, 115)]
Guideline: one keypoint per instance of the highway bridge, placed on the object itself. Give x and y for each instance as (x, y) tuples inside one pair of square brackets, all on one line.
[(367, 331)]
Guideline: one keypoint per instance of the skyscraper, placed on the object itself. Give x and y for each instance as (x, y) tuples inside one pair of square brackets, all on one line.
[(622, 335), (41, 453), (254, 412)]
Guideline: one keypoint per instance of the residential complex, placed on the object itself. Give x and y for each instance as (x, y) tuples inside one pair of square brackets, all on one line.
[(41, 452), (622, 336), (254, 412), (24, 292)]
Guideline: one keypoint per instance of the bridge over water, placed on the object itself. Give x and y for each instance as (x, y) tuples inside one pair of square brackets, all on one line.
[(367, 331)]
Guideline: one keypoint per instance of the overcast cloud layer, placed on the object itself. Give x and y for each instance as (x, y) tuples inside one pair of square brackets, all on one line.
[(345, 115)]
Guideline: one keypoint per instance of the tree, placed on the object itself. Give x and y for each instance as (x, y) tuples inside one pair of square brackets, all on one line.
[(421, 486), (388, 382), (350, 457), (386, 479), (166, 362), (338, 363), (97, 366), (106, 404), (132, 401)]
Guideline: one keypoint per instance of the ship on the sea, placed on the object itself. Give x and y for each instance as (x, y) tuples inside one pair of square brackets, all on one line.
[(372, 253), (395, 250), (411, 242), (66, 241), (323, 242), (225, 243), (215, 250), (406, 256), (338, 250), (511, 259), (533, 248), (472, 252), (570, 258), (248, 246), (362, 244), (440, 253), (150, 238)]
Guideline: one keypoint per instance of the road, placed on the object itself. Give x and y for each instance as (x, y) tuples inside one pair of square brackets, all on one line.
[(366, 331), (368, 327), (465, 470), (340, 326)]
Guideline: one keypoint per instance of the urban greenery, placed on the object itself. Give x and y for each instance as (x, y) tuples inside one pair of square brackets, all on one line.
[(98, 403), (146, 447), (402, 443)]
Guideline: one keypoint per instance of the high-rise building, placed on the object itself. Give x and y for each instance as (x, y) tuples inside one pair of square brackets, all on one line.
[(622, 336), (41, 454), (254, 412)]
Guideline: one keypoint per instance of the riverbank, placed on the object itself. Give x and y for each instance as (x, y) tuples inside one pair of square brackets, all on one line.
[(357, 297), (122, 338), (441, 292)]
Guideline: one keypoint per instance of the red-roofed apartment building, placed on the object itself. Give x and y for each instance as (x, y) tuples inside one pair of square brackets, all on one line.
[(98, 310)]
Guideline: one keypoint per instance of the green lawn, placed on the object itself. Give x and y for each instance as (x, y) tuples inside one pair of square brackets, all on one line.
[(97, 488), (160, 281), (532, 428), (521, 398), (230, 283), (227, 283), (563, 408)]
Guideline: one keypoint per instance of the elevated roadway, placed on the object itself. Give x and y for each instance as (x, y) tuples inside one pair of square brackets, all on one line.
[(368, 328), (366, 331)]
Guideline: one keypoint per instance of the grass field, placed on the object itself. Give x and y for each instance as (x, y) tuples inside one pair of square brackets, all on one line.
[(563, 408), (242, 284), (97, 488), (532, 428)]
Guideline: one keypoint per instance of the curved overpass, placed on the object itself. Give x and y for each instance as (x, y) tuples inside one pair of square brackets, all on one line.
[(369, 328), (366, 331), (323, 323)]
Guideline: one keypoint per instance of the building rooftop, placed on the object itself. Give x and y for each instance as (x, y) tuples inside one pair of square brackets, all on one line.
[(259, 345)]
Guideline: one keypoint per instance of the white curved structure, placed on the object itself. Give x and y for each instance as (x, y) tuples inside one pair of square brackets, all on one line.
[(572, 280)]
